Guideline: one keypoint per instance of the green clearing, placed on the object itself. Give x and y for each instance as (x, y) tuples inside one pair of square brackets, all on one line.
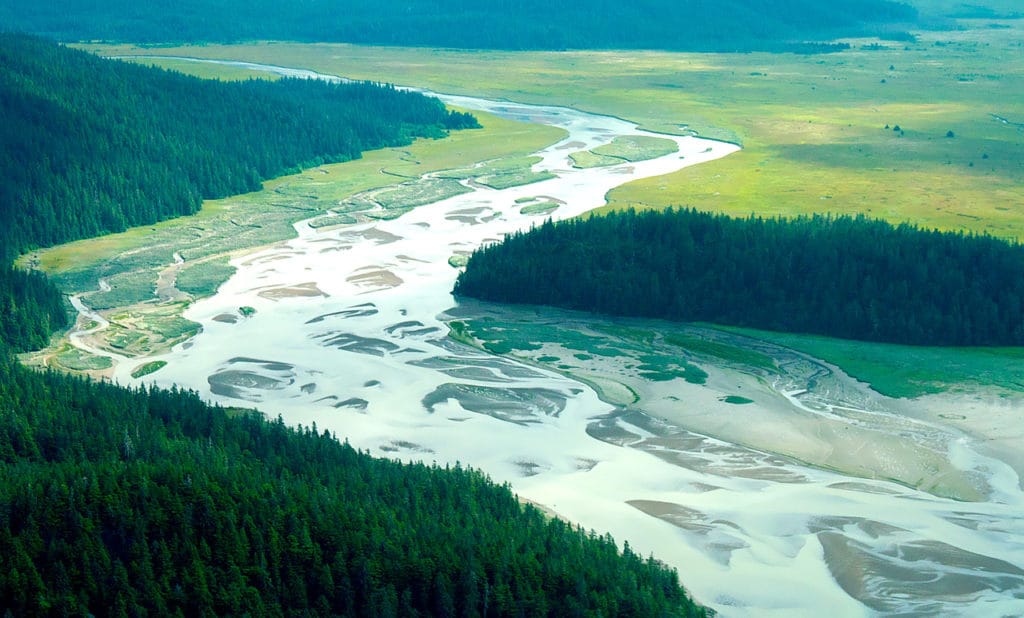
[(539, 208), (501, 173), (203, 278), (627, 148), (506, 180), (799, 117), (147, 328), (586, 159), (126, 288), (402, 197), (147, 368), (73, 359), (909, 371), (636, 148)]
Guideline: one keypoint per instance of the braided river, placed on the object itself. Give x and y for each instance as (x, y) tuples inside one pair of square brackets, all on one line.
[(784, 489)]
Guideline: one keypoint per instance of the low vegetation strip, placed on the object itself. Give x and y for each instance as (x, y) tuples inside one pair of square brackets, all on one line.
[(637, 148), (853, 278), (629, 148)]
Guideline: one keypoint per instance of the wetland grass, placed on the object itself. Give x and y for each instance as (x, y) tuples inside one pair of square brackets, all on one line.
[(796, 116), (909, 371)]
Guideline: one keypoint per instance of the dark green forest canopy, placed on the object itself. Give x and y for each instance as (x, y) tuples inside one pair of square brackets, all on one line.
[(842, 277), (126, 502), (90, 146), (696, 25)]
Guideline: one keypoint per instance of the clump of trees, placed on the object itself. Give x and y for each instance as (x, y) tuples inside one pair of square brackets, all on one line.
[(846, 277)]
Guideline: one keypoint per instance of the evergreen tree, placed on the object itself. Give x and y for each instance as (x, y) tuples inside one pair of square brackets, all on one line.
[(854, 278), (147, 501)]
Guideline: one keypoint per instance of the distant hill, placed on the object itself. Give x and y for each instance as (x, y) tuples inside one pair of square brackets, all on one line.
[(720, 25)]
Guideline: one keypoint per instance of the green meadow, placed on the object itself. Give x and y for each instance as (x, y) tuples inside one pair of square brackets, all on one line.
[(624, 149)]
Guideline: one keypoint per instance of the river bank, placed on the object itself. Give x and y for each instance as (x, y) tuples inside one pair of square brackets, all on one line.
[(346, 327)]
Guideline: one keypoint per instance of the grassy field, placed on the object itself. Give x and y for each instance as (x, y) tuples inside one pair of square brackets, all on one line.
[(502, 173), (633, 148), (812, 127)]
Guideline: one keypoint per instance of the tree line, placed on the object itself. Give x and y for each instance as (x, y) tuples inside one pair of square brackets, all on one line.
[(92, 146), (690, 25), (126, 502), (854, 278)]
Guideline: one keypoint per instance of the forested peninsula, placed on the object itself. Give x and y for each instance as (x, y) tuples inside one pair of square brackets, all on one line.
[(689, 25), (122, 502), (852, 278)]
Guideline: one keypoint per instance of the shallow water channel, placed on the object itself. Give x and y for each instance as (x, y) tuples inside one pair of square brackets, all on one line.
[(349, 330)]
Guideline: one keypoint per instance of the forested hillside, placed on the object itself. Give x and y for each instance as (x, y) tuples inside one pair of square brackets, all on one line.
[(124, 502), (721, 25), (842, 277), (90, 146), (31, 308)]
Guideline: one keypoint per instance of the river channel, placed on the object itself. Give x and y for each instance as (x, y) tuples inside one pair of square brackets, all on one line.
[(800, 495)]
